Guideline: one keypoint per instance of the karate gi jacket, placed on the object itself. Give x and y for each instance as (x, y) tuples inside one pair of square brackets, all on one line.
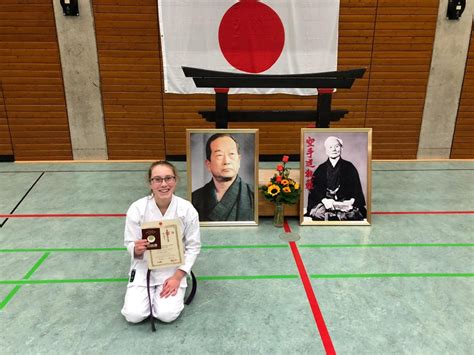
[(146, 210)]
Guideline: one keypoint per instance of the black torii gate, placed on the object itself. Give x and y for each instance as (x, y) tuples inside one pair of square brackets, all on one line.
[(324, 82)]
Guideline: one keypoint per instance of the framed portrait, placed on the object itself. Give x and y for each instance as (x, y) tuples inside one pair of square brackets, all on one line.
[(222, 169), (336, 168)]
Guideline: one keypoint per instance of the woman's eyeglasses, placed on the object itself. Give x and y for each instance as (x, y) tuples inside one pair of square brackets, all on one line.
[(158, 179)]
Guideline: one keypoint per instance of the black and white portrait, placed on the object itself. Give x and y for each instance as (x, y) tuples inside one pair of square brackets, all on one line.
[(223, 169), (335, 174)]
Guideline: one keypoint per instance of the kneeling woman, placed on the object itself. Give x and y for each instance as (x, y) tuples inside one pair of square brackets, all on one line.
[(167, 286)]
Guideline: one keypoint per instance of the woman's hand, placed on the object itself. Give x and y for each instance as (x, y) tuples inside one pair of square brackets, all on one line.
[(140, 247), (171, 285)]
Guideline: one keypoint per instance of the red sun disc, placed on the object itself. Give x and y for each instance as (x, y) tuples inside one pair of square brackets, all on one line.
[(251, 36)]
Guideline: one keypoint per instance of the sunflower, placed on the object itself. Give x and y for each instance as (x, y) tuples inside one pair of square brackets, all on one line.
[(273, 190), (281, 188)]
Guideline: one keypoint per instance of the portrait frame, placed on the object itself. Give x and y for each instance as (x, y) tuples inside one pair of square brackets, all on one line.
[(356, 153), (199, 175)]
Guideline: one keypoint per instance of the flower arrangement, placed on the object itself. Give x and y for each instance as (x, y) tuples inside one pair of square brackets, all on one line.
[(281, 189)]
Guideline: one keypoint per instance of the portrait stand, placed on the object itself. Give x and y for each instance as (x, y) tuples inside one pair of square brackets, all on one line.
[(325, 83)]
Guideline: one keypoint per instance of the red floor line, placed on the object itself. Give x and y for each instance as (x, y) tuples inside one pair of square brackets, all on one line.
[(423, 212), (91, 215), (318, 316), (61, 215)]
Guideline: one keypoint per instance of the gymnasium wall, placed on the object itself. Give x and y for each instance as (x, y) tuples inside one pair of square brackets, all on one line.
[(131, 78), (6, 148), (31, 76), (463, 142), (393, 39)]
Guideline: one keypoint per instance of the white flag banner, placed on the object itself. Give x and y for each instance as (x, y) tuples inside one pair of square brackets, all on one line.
[(247, 36)]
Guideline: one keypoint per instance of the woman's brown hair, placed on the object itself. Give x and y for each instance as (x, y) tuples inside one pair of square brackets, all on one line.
[(162, 162)]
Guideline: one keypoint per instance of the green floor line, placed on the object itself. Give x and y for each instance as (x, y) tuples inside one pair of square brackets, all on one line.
[(257, 246), (353, 276), (42, 250), (36, 266), (61, 281), (253, 277), (26, 277), (386, 245), (241, 277), (38, 250), (9, 297), (103, 280)]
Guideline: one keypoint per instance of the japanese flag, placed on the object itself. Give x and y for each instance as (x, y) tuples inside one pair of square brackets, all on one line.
[(247, 36)]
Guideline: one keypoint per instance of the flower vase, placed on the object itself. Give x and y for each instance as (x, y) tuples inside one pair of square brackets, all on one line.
[(279, 215)]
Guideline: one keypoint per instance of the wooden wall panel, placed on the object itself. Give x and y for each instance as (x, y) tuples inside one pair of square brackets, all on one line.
[(6, 147), (32, 81), (463, 142), (401, 57), (131, 77), (356, 41), (393, 39)]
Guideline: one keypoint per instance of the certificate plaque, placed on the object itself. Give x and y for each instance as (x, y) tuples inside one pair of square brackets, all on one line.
[(165, 243)]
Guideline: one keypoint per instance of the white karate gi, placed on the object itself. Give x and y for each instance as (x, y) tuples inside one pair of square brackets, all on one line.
[(136, 307)]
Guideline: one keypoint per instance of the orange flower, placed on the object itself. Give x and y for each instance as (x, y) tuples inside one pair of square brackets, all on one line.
[(286, 189), (285, 182)]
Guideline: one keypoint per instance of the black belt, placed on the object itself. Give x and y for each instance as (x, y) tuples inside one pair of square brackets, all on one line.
[(153, 328), (187, 301)]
